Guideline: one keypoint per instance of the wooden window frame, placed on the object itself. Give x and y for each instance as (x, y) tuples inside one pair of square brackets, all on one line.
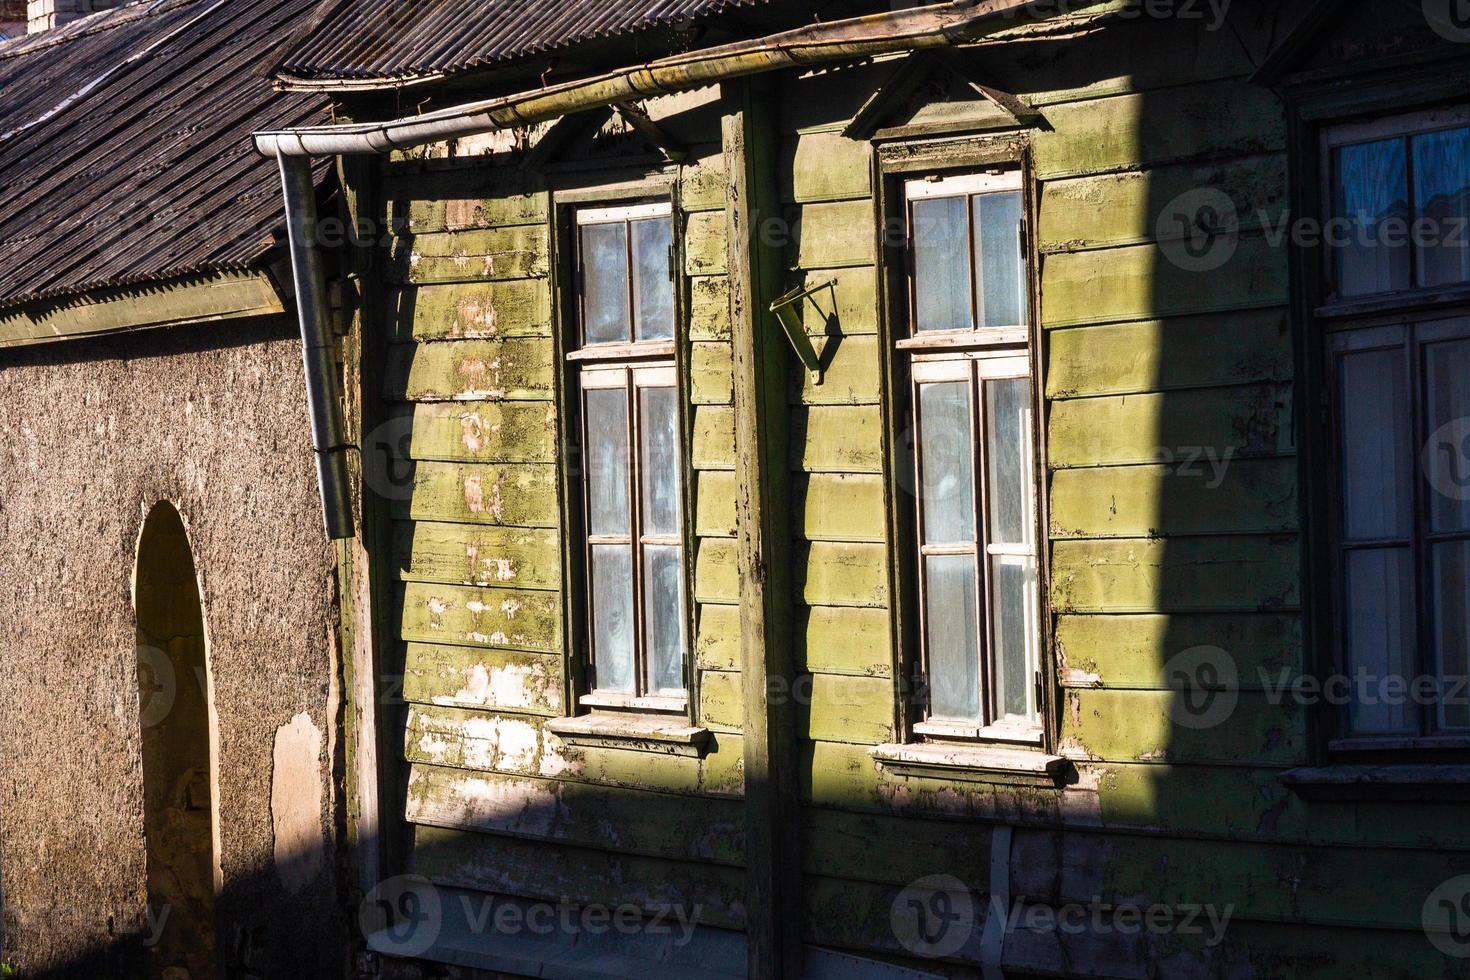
[(1324, 113), (978, 159), (640, 364)]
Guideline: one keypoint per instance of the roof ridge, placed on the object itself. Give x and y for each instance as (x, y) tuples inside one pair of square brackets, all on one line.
[(88, 26)]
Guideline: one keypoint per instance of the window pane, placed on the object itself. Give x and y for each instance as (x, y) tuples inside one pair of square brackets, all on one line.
[(1377, 468), (954, 660), (1442, 195), (663, 611), (606, 457), (1372, 195), (1447, 454), (1380, 638), (1014, 632), (946, 458), (605, 282), (998, 260), (612, 616), (1008, 453), (941, 258), (659, 453), (654, 290), (1452, 630)]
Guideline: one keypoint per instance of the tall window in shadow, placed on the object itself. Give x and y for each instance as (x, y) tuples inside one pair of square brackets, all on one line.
[(175, 718)]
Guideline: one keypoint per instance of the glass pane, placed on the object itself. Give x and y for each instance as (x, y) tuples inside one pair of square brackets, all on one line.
[(1008, 451), (954, 660), (659, 450), (1380, 639), (606, 457), (1372, 196), (654, 286), (1377, 464), (1442, 195), (663, 610), (941, 257), (1447, 453), (1452, 631), (605, 282), (946, 459), (612, 616), (1014, 632), (998, 260)]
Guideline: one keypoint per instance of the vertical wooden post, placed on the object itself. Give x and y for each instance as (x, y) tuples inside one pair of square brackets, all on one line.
[(753, 212)]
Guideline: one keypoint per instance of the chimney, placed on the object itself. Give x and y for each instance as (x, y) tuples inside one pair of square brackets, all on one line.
[(42, 15)]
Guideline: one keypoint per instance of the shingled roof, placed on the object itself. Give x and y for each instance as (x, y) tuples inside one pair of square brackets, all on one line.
[(400, 41), (125, 151)]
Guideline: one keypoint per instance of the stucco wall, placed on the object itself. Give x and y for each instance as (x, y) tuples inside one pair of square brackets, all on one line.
[(93, 434)]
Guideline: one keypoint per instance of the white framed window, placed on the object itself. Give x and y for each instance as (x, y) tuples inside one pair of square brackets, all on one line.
[(970, 368), (632, 459)]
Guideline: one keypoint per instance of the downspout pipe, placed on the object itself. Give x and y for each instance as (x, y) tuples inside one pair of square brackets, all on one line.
[(933, 26), (323, 397)]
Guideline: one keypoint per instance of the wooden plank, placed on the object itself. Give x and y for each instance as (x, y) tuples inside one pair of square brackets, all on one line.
[(827, 236), (772, 886), (703, 183), (1197, 122), (721, 702), (466, 677), (851, 367), (1167, 355), (1134, 651), (461, 554), (474, 432), (514, 494), (705, 244), (506, 619), (443, 198), (837, 439), (490, 741), (704, 893), (1144, 726), (1125, 208), (714, 438), (717, 644), (471, 310), (846, 641), (1245, 574), (848, 309), (840, 507), (709, 308), (716, 571), (843, 574), (1181, 427), (678, 828), (714, 503), (1141, 282), (817, 167), (470, 370), (520, 252), (846, 708), (710, 380), (1185, 497)]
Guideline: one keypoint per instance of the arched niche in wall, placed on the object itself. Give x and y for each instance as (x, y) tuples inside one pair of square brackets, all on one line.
[(176, 719)]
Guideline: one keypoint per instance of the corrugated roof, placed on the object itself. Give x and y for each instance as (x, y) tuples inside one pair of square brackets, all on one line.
[(391, 41), (125, 151)]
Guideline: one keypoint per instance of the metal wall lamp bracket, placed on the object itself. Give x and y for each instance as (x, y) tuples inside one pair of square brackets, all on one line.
[(785, 310)]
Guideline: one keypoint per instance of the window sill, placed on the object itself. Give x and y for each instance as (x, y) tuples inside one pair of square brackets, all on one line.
[(638, 733), (1381, 782), (972, 763)]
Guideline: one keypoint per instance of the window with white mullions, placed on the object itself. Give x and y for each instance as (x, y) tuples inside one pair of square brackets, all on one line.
[(972, 395), (634, 511)]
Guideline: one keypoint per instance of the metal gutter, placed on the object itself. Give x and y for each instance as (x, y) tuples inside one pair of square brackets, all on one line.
[(323, 399), (934, 26)]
